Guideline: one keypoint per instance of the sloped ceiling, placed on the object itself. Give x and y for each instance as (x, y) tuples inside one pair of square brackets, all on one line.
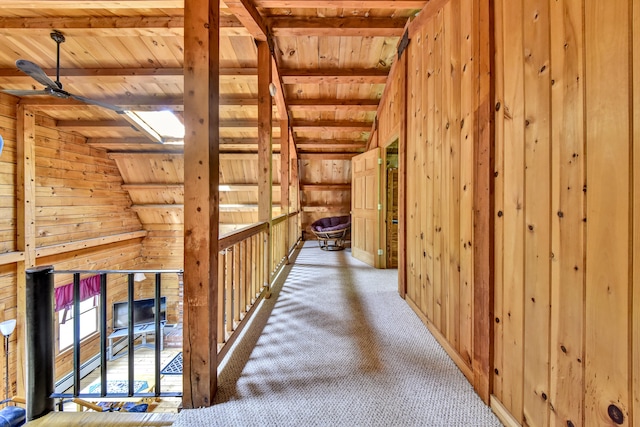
[(331, 60)]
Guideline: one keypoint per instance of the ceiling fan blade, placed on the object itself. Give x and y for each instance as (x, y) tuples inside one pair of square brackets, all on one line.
[(34, 70), (115, 108), (18, 92)]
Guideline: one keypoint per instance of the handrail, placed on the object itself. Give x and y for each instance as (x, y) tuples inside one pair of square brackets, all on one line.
[(237, 236)]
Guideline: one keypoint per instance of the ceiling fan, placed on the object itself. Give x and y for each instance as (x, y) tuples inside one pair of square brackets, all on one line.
[(52, 88)]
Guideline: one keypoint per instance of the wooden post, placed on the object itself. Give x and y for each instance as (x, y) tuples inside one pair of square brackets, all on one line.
[(265, 157), (483, 203), (284, 178), (201, 202), (402, 181), (26, 231)]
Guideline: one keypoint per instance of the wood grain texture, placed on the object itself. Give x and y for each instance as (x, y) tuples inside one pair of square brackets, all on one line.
[(536, 207), (201, 200), (514, 222), (568, 228), (607, 239)]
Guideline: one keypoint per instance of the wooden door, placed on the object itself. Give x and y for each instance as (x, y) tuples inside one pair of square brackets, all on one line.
[(365, 205)]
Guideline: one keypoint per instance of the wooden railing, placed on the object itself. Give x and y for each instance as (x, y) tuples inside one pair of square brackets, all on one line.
[(244, 278), (245, 274), (241, 279)]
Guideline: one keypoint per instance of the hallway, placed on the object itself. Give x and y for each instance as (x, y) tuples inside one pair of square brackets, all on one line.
[(334, 346)]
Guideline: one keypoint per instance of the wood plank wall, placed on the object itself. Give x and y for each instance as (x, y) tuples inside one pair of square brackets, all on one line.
[(441, 90), (442, 152), (566, 208), (78, 198)]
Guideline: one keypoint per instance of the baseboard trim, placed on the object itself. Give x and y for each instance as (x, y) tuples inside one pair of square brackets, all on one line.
[(453, 354), (502, 413)]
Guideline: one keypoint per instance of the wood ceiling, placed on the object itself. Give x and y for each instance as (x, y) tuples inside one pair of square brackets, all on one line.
[(330, 62), (331, 59)]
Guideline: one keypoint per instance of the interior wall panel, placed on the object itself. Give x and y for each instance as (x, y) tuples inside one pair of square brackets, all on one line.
[(441, 98), (565, 212)]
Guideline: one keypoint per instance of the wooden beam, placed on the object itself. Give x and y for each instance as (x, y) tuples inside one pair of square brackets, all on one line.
[(334, 76), (141, 103), (93, 124), (11, 258), (284, 166), (342, 147), (279, 100), (317, 105), (326, 156), (335, 26), (265, 155), (26, 227), (330, 142), (109, 26), (121, 75), (342, 4), (250, 18), (92, 4), (78, 245), (325, 187), (330, 126), (201, 210)]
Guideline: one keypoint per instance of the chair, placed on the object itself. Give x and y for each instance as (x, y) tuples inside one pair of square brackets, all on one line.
[(12, 416), (331, 232)]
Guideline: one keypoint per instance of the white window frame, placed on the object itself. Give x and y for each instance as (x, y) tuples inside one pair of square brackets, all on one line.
[(89, 323)]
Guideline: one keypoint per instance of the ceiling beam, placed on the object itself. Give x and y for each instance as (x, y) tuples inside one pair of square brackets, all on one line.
[(326, 156), (341, 4), (349, 26), (345, 148), (110, 26), (334, 76), (111, 124), (250, 18), (324, 187), (93, 4), (121, 75), (330, 126), (336, 105)]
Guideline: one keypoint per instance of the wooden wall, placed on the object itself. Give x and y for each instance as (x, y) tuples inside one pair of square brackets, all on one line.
[(567, 169), (441, 92), (325, 189), (81, 218)]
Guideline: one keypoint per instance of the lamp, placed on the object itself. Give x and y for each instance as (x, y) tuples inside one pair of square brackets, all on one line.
[(272, 89), (7, 327), (1, 144), (139, 277)]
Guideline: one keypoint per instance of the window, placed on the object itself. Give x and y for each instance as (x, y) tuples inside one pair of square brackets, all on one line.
[(88, 322)]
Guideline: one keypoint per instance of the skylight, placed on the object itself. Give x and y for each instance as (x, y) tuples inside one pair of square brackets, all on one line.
[(164, 126)]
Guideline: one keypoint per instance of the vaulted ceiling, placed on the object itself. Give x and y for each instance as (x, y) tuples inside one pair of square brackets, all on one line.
[(330, 62)]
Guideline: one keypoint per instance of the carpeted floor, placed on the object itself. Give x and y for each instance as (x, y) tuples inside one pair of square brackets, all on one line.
[(336, 346)]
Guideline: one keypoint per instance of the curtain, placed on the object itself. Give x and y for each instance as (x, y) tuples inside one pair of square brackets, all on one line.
[(89, 287)]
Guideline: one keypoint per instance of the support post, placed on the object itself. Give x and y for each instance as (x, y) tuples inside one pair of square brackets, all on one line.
[(39, 340), (284, 180), (26, 229), (201, 201), (265, 159)]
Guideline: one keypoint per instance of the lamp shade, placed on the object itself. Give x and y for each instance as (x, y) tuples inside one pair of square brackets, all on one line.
[(7, 327), (139, 277)]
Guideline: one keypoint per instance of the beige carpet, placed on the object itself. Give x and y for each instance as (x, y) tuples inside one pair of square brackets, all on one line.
[(336, 346)]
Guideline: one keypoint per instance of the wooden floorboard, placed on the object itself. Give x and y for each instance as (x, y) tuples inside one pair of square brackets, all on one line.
[(103, 419)]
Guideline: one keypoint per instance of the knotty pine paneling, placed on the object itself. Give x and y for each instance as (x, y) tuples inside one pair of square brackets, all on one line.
[(8, 212), (565, 187), (439, 160)]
